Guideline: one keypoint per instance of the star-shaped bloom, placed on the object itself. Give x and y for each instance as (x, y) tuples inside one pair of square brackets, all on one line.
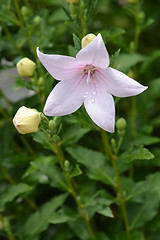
[(87, 79)]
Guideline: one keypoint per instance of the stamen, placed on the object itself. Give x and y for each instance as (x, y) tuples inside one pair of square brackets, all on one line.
[(90, 70), (89, 77)]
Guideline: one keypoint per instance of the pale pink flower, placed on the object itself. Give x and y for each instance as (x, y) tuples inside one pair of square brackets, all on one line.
[(87, 79)]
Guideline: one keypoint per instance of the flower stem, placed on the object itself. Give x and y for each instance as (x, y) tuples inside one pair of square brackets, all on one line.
[(18, 12), (113, 158), (58, 151), (6, 227)]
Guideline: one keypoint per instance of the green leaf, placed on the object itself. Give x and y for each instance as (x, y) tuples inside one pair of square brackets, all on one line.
[(63, 215), (73, 134), (96, 163), (21, 82), (114, 57), (145, 140), (13, 192), (75, 171), (133, 236), (48, 167), (136, 153), (77, 42), (40, 137), (101, 236), (39, 221), (125, 61), (79, 228), (144, 210), (107, 212)]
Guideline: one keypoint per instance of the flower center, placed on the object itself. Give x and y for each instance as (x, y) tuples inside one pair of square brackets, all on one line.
[(90, 70)]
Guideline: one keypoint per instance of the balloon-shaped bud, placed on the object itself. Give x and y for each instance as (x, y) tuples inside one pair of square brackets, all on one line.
[(26, 67), (27, 120), (87, 39)]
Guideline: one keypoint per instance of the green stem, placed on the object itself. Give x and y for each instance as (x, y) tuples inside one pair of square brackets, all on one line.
[(133, 116), (18, 12), (58, 151), (120, 195), (28, 146), (113, 158), (6, 227), (105, 140)]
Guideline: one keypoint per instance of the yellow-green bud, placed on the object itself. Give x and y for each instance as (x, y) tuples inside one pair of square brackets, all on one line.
[(56, 138), (57, 120), (26, 67), (113, 143), (66, 165), (121, 126), (52, 126), (27, 120), (72, 1), (25, 12), (37, 20), (87, 39)]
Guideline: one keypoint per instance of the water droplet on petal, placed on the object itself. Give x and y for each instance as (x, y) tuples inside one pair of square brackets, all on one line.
[(86, 92), (92, 100), (94, 93), (84, 96)]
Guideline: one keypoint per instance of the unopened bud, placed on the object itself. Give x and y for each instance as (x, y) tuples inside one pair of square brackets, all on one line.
[(121, 126), (56, 138), (37, 20), (87, 39), (25, 12), (27, 120), (72, 1), (57, 120), (26, 67), (67, 165), (113, 143), (52, 126)]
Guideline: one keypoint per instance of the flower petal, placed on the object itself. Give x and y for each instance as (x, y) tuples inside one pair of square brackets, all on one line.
[(66, 97), (59, 66), (100, 105), (94, 53), (119, 84)]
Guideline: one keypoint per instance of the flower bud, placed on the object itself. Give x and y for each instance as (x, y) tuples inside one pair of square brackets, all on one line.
[(66, 165), (26, 67), (57, 120), (27, 120), (87, 39), (72, 1), (113, 143), (25, 12), (37, 20), (121, 126), (56, 138), (52, 126)]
